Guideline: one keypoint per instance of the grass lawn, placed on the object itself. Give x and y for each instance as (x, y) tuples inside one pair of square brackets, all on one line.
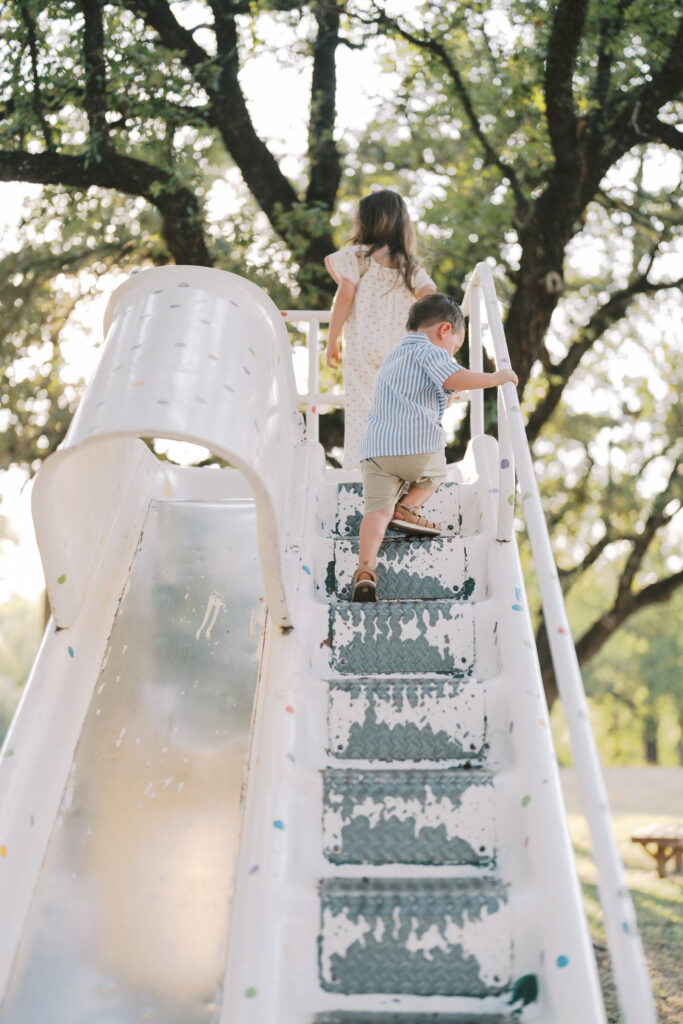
[(638, 797)]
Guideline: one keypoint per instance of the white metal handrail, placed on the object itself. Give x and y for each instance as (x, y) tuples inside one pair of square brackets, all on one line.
[(313, 397), (632, 981)]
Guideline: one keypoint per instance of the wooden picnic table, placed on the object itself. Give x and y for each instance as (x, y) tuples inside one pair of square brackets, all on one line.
[(662, 842)]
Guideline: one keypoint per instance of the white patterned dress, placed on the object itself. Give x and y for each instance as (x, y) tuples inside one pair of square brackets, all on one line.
[(375, 325)]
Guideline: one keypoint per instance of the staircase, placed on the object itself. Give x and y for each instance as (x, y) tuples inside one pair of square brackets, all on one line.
[(415, 906)]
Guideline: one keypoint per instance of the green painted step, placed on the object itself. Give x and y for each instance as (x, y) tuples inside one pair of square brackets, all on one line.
[(434, 567), (455, 506), (408, 816), (406, 719), (423, 937), (404, 637)]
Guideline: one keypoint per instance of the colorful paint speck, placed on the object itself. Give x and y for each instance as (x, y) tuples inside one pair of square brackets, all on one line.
[(562, 961), (62, 578), (279, 824), (250, 992), (71, 651), (526, 800)]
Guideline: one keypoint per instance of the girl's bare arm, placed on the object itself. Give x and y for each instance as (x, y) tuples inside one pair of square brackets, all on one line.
[(341, 307), (426, 289)]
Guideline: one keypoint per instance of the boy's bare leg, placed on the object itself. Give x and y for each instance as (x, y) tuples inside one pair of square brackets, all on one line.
[(371, 535), (415, 497)]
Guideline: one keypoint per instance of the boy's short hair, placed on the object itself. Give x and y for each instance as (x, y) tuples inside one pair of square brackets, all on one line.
[(435, 308)]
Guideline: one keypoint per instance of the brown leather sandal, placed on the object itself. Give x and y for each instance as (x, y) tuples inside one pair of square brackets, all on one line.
[(364, 590), (410, 521)]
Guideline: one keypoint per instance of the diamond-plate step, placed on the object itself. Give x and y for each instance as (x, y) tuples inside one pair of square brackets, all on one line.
[(361, 1017), (455, 506), (432, 936), (406, 719), (435, 567), (408, 816), (405, 637)]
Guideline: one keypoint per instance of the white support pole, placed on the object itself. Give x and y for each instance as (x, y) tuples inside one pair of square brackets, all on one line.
[(506, 476), (476, 359), (312, 417)]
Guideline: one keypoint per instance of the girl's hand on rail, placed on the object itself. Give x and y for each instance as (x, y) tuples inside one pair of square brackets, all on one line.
[(332, 356), (503, 376)]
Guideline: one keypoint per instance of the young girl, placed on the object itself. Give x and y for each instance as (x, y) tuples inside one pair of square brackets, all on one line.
[(379, 278)]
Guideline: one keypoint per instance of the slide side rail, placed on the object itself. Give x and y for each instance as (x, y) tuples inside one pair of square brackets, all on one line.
[(632, 981)]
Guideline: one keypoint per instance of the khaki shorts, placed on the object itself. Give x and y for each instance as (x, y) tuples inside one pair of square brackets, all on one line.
[(385, 477)]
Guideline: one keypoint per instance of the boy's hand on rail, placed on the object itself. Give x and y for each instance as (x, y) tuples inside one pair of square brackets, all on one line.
[(503, 376), (332, 356)]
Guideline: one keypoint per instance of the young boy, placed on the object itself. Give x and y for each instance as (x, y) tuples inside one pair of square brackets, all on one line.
[(404, 441)]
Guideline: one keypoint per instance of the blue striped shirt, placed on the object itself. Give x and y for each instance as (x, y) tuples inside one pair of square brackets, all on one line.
[(409, 400)]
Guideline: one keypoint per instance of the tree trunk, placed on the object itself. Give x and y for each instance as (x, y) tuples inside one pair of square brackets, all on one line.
[(650, 724)]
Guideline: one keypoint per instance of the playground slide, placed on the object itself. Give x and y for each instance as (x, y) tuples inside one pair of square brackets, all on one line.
[(130, 913), (231, 796)]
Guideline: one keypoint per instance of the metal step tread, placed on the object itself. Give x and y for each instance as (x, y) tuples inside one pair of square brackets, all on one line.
[(404, 636), (408, 816), (415, 936), (417, 567), (455, 506), (409, 718)]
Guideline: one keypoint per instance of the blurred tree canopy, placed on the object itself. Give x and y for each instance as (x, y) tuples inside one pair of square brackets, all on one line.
[(539, 135)]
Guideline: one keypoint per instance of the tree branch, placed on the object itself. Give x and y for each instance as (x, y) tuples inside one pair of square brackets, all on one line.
[(325, 169), (437, 48), (611, 23), (667, 134), (32, 35), (626, 601), (658, 592), (641, 541), (625, 124), (157, 15), (182, 223), (95, 75), (563, 46), (567, 576), (603, 318)]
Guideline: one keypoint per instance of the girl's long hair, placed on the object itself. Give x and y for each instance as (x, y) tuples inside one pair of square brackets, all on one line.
[(383, 219)]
